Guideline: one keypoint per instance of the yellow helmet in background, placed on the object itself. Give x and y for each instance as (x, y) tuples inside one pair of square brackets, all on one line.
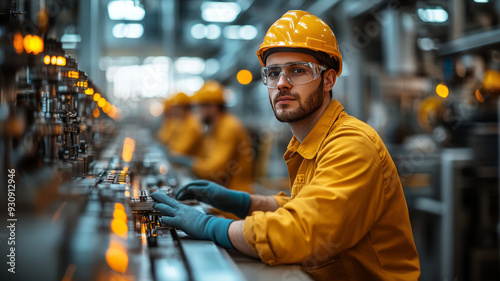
[(212, 92), (167, 104), (431, 112), (491, 81), (302, 31), (180, 99)]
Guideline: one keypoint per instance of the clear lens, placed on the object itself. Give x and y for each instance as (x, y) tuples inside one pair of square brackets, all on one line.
[(297, 73)]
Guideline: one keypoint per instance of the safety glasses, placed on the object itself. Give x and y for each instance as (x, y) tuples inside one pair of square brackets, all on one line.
[(296, 73)]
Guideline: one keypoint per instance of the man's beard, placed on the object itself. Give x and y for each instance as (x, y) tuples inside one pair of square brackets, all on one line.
[(207, 120), (311, 104)]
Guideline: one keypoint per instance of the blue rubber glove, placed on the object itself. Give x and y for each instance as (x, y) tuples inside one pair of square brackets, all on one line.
[(195, 223), (236, 202), (183, 160)]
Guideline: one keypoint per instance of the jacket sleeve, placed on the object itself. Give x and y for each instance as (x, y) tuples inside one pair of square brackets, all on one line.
[(332, 212), (281, 198)]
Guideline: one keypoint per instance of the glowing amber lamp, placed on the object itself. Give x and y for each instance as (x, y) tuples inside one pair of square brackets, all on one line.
[(442, 90), (46, 59), (36, 45), (119, 227), (53, 60), (18, 43), (119, 206), (101, 102), (120, 215), (479, 96), (97, 97), (244, 76), (128, 149), (117, 257), (96, 112), (71, 74), (89, 91), (107, 107), (27, 43), (61, 61), (113, 111)]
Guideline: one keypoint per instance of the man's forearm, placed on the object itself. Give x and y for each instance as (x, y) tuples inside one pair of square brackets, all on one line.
[(262, 203), (235, 230), (235, 233)]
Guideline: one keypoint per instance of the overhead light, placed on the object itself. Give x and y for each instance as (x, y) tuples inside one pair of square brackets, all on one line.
[(231, 32), (248, 32), (426, 44), (128, 30), (213, 31), (71, 38), (190, 65), (481, 1), (140, 81), (220, 11), (70, 41), (199, 31), (189, 84), (242, 32), (125, 10), (436, 14)]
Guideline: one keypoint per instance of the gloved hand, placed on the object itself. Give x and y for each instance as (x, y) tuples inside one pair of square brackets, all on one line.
[(183, 160), (236, 202), (195, 223)]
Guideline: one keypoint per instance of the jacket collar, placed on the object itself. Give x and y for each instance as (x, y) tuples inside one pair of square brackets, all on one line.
[(310, 146)]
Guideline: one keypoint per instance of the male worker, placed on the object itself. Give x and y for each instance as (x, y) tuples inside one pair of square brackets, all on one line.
[(186, 136), (226, 156), (168, 123), (347, 217)]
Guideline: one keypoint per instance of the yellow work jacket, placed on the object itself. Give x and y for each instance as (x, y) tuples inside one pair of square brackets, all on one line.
[(347, 217), (166, 130), (187, 136), (227, 156)]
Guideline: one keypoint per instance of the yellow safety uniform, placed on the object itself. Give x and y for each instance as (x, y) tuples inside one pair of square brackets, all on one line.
[(227, 155), (187, 136), (347, 217), (166, 130)]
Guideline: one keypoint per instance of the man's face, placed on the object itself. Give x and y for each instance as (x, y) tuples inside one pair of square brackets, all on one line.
[(206, 112), (177, 111), (294, 103)]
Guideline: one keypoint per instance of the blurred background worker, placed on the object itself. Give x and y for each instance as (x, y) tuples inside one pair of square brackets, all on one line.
[(227, 155), (347, 201), (168, 123), (185, 136)]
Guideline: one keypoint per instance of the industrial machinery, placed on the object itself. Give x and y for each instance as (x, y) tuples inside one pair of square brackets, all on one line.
[(78, 183)]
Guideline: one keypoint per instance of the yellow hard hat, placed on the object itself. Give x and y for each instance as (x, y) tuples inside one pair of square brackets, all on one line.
[(167, 104), (180, 99), (212, 92), (303, 31)]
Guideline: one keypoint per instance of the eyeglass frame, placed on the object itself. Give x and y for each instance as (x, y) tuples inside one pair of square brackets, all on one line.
[(316, 68)]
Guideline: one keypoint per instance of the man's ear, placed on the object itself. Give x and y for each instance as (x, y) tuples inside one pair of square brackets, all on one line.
[(330, 77)]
